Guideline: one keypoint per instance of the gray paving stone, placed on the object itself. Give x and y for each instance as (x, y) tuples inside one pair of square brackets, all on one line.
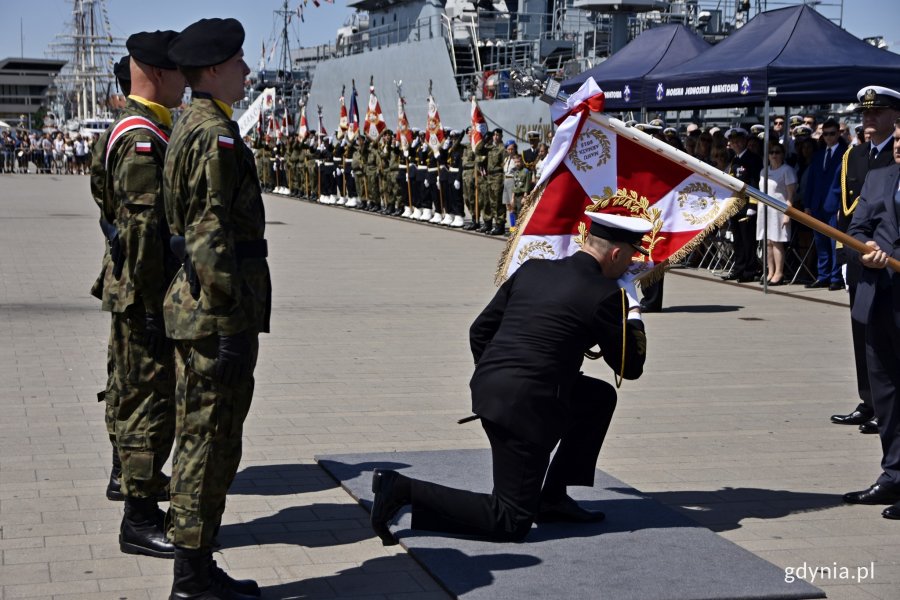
[(369, 353)]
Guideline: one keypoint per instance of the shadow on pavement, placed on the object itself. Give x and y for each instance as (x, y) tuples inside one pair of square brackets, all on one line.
[(724, 509), (387, 576)]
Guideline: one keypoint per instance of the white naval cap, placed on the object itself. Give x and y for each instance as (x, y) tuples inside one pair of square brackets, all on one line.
[(618, 228), (876, 96)]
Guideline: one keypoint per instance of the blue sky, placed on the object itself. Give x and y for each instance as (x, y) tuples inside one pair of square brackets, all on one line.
[(42, 20)]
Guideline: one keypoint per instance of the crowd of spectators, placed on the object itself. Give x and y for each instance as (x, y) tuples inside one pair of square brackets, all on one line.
[(23, 151), (804, 157)]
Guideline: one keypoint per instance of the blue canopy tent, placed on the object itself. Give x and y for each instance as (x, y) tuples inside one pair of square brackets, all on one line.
[(806, 58), (621, 75)]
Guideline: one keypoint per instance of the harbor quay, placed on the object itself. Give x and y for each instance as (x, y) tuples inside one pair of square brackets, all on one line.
[(369, 352)]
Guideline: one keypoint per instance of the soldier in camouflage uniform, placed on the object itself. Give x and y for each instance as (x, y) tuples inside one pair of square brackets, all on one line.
[(122, 71), (218, 303), (468, 178), (492, 190), (290, 162), (125, 182)]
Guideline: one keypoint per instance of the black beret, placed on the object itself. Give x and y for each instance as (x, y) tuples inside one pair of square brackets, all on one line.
[(207, 42), (152, 48), (122, 71)]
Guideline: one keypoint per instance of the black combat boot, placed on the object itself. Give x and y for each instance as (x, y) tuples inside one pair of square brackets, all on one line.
[(497, 229), (486, 226), (248, 587), (194, 580), (114, 487), (143, 529)]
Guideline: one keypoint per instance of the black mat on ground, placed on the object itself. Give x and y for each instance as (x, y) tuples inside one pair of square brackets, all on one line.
[(643, 551)]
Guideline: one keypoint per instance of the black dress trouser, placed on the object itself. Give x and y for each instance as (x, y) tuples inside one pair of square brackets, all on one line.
[(883, 358), (519, 469)]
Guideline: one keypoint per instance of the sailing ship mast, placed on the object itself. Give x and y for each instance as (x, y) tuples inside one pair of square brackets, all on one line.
[(91, 51)]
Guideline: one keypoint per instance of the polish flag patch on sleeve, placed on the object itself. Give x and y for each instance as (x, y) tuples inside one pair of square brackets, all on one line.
[(143, 147), (226, 142)]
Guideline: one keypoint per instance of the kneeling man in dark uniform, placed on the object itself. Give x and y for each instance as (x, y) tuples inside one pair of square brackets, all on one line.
[(528, 389)]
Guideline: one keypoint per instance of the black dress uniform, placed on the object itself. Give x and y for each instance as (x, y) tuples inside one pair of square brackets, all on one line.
[(858, 161), (746, 167), (877, 306), (528, 390)]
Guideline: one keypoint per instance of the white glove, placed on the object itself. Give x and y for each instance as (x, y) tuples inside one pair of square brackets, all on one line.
[(446, 144), (627, 284), (426, 183), (456, 184), (415, 143), (729, 236), (406, 153), (751, 212), (338, 171)]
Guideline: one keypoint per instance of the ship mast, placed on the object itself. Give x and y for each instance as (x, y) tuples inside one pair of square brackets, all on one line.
[(90, 50), (285, 74)]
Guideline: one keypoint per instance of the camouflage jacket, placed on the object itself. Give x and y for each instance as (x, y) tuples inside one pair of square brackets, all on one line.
[(127, 186), (213, 199)]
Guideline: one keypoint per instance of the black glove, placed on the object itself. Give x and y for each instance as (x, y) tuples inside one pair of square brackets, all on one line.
[(117, 255), (233, 363), (155, 335)]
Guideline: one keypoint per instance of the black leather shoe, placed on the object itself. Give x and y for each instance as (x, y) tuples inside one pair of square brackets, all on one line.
[(497, 230), (820, 283), (386, 504), (891, 512), (855, 418), (877, 493), (143, 531), (567, 510), (746, 278), (470, 226), (870, 426), (729, 277), (835, 286), (248, 587)]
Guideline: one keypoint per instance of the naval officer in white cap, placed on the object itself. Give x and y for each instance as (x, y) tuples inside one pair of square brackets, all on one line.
[(528, 345)]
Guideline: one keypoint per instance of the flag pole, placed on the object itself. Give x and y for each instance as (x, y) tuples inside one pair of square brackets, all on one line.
[(732, 183)]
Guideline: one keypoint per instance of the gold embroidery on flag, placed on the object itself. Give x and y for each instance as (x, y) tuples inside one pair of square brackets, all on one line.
[(590, 145), (638, 206), (536, 249), (688, 197)]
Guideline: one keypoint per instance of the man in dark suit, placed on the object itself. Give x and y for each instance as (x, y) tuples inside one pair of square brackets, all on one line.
[(746, 166), (876, 222), (821, 204), (530, 394), (880, 107)]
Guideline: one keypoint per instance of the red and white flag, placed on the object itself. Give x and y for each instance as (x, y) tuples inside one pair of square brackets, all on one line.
[(597, 164), (434, 133), (344, 120), (404, 135), (374, 119), (479, 125), (304, 126)]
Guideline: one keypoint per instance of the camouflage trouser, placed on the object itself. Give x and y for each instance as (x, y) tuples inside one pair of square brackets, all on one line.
[(264, 172), (373, 187), (490, 197), (290, 167), (469, 192), (209, 421), (140, 405)]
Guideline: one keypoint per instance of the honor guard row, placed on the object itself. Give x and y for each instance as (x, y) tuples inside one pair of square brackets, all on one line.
[(415, 180), (185, 278)]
